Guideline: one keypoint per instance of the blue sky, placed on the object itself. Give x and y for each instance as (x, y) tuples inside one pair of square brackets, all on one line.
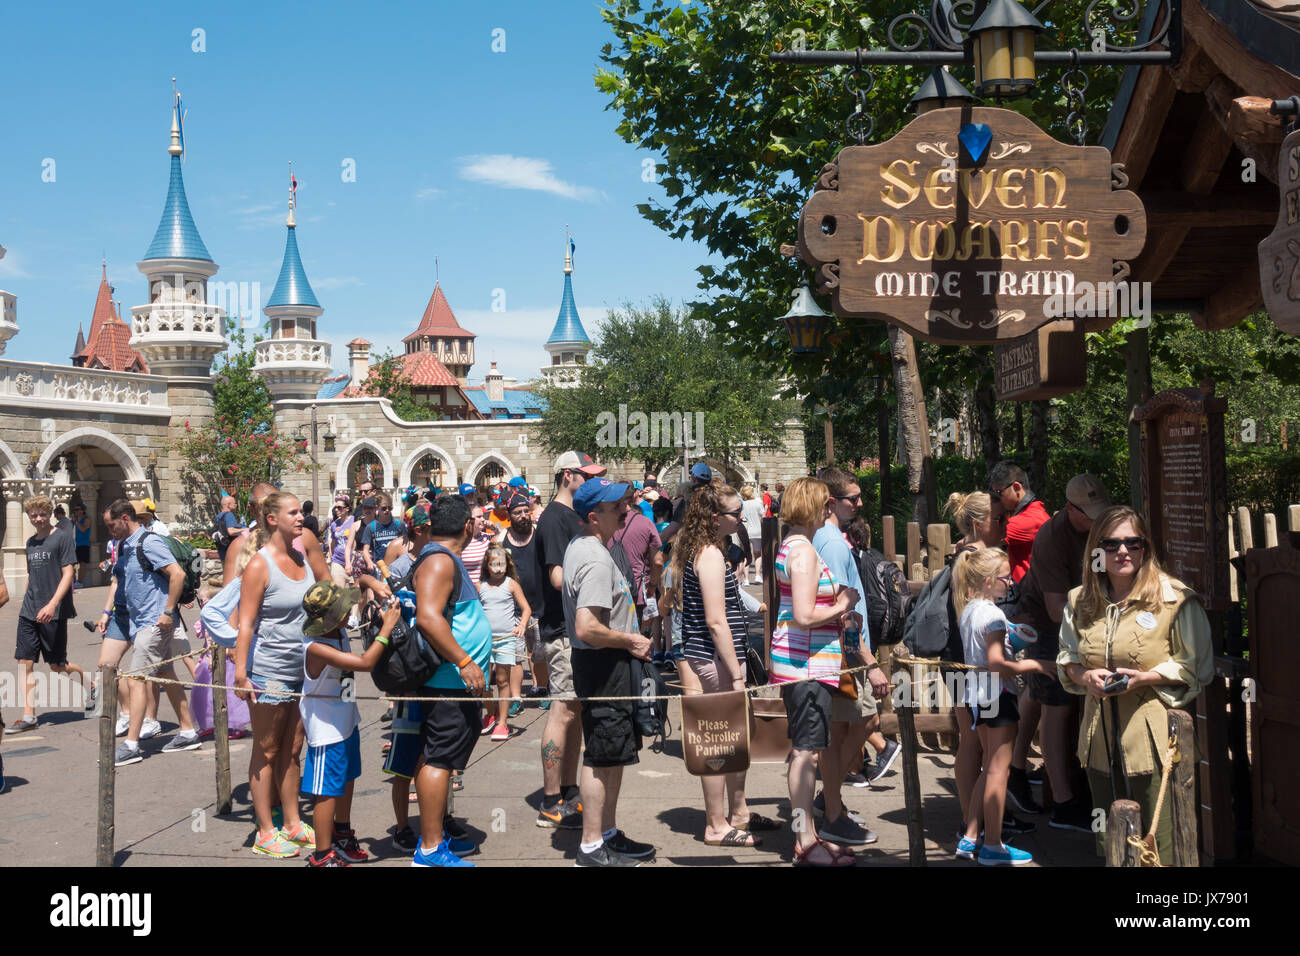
[(440, 128)]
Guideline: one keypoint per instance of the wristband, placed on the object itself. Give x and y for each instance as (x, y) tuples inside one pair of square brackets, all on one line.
[(382, 640), (108, 614), (461, 665)]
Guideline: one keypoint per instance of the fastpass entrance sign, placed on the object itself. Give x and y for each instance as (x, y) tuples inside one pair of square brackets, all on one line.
[(970, 227)]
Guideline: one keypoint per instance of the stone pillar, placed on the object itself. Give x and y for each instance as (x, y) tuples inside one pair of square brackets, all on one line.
[(190, 401), (61, 494), (17, 530)]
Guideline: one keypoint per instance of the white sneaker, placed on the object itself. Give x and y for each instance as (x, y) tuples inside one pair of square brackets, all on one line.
[(123, 724), (150, 728), (354, 622)]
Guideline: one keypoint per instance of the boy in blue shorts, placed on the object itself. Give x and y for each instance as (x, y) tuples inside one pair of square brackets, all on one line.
[(331, 720)]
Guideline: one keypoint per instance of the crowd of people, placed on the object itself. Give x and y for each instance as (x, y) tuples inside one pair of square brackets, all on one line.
[(1043, 611)]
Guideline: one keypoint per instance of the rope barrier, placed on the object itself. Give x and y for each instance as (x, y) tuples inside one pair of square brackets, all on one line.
[(1149, 853)]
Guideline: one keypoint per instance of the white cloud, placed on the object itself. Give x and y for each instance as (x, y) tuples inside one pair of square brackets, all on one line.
[(335, 282), (429, 192), (520, 172)]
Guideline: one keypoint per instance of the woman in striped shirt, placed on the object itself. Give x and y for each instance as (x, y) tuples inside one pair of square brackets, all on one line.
[(806, 657), (714, 634)]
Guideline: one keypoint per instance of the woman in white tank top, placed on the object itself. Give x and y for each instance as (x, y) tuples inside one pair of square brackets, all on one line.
[(269, 669)]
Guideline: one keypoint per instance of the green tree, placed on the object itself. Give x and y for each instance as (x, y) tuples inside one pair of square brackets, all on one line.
[(229, 456), (238, 393), (387, 380), (669, 366)]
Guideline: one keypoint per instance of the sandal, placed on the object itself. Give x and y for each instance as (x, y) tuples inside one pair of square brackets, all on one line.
[(757, 823), (838, 858), (457, 784), (736, 837)]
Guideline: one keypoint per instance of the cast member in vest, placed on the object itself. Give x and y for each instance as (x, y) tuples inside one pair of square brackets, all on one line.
[(1131, 620)]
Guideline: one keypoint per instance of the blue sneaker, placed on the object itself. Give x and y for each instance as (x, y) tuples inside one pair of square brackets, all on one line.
[(966, 849), (1003, 856), (441, 856), (545, 705), (516, 708), (460, 847)]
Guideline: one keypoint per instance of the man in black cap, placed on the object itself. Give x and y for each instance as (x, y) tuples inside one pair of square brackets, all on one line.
[(701, 475)]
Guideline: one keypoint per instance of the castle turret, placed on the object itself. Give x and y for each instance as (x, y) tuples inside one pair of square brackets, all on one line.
[(178, 332), (292, 361), (568, 344)]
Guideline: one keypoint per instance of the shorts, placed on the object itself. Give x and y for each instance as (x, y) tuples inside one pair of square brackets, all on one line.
[(808, 710), (47, 642), (505, 649), (83, 554), (118, 629), (1004, 712), (151, 647), (559, 668), (339, 575), (450, 729), (848, 711), (1044, 688), (404, 756), (271, 691), (609, 733), (328, 769), (709, 673)]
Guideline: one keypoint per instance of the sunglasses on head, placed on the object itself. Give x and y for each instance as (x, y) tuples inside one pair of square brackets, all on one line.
[(1111, 545)]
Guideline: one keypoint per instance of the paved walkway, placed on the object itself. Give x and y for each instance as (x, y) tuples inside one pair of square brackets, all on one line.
[(165, 803)]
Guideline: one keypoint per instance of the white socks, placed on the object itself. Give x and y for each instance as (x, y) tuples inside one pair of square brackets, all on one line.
[(591, 847)]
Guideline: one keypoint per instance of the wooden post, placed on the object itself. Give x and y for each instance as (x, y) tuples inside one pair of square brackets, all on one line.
[(1245, 530), (938, 540), (221, 730), (889, 544), (911, 776), (1125, 818), (913, 546), (1182, 790), (1232, 553), (1293, 518), (104, 830), (1270, 530)]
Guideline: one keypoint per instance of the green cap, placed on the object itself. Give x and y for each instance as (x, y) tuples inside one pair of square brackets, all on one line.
[(327, 606)]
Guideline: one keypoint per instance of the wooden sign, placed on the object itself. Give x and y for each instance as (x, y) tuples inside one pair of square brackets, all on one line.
[(1052, 360), (1279, 253), (970, 227), (1184, 488)]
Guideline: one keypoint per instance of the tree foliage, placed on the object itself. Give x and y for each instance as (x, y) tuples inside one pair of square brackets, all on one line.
[(230, 455), (238, 393), (664, 361), (387, 380)]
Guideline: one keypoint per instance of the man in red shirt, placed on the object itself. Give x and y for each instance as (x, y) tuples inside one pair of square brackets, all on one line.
[(767, 501), (1025, 514)]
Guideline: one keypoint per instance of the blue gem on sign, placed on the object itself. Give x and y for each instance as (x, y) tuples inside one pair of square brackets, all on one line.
[(976, 138)]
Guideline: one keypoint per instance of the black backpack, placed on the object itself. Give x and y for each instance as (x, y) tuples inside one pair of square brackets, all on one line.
[(409, 660), (887, 596), (649, 714)]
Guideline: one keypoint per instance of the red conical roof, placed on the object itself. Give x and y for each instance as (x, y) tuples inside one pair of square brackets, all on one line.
[(438, 320), (107, 346), (103, 310)]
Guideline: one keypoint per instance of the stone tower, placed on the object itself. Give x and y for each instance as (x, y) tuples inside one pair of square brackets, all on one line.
[(178, 332), (568, 344), (292, 361)]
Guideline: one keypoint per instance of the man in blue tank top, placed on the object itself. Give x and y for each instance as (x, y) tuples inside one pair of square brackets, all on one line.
[(451, 618)]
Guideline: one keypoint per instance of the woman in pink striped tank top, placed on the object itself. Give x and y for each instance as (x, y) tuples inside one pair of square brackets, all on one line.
[(806, 657)]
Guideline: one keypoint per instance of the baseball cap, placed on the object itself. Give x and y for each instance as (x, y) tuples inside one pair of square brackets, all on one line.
[(418, 514), (701, 472), (1087, 493), (518, 481), (518, 500), (467, 489), (327, 606), (578, 461), (594, 492), (369, 502)]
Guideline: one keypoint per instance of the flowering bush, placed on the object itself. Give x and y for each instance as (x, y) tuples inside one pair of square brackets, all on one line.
[(231, 456)]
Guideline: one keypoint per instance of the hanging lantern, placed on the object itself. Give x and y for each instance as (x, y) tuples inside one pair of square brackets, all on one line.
[(1003, 47), (940, 89), (806, 323)]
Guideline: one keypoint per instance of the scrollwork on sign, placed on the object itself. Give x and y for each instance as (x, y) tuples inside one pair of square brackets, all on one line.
[(939, 149), (1010, 149), (828, 177)]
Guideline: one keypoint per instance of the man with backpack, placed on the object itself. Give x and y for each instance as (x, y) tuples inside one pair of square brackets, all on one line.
[(226, 526), (849, 716), (150, 581), (639, 541)]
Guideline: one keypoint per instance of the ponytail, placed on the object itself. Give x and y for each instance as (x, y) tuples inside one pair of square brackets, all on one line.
[(971, 572), (966, 509)]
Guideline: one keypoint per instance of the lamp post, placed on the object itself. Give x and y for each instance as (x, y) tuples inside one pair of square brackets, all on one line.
[(940, 89), (806, 323), (315, 480)]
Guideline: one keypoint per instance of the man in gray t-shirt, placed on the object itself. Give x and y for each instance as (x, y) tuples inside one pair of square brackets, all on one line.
[(600, 618)]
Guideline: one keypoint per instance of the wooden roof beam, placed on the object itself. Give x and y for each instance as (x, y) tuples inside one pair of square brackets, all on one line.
[(1205, 155), (1239, 296), (1152, 97), (1242, 67), (1167, 207)]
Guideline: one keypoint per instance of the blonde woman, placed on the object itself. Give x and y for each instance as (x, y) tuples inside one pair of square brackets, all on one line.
[(1136, 641), (973, 515)]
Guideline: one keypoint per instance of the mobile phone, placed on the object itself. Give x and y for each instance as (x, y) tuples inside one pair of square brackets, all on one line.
[(1115, 684)]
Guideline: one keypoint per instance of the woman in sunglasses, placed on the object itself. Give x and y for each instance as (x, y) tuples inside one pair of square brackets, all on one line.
[(1137, 642)]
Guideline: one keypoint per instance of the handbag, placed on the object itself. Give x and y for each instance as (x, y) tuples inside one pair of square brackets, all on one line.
[(755, 666), (715, 732), (769, 730)]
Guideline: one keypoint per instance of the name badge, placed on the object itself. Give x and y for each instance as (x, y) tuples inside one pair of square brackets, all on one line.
[(1146, 620)]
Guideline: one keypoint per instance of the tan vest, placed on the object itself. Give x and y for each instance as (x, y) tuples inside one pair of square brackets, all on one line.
[(1139, 639)]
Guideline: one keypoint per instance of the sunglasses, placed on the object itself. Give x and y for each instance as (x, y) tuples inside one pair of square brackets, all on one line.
[(996, 492), (857, 497), (731, 514), (386, 508), (1008, 580), (1111, 545)]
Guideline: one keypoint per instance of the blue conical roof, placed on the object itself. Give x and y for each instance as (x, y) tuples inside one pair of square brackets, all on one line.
[(177, 237), (292, 288), (568, 327)]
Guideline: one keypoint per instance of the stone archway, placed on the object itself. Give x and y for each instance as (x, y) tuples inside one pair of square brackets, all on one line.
[(96, 438), (415, 467), (489, 468), (9, 465), (343, 472)]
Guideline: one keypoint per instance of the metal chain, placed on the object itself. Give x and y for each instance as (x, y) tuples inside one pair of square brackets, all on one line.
[(860, 125), (1075, 83)]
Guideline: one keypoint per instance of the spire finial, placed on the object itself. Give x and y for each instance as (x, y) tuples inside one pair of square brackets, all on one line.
[(293, 197), (177, 147), (437, 277), (568, 250)]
